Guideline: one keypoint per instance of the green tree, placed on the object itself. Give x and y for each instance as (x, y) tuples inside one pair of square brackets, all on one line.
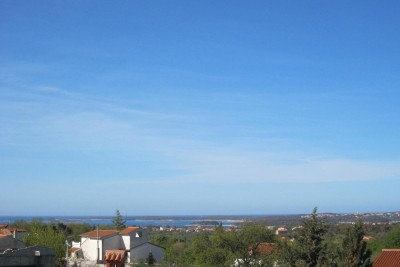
[(224, 248), (179, 254), (308, 249), (248, 240), (392, 238), (118, 221), (354, 251), (150, 259), (40, 234), (205, 253)]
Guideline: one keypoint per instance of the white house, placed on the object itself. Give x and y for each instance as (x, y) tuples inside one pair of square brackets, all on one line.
[(133, 240), (133, 236), (95, 243)]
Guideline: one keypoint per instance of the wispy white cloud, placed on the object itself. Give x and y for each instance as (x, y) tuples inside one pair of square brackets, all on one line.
[(55, 117), (248, 167)]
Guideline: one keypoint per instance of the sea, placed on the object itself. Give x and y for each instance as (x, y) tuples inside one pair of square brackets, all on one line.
[(165, 221)]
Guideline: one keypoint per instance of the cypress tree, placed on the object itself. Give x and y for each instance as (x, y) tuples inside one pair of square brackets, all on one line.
[(354, 251)]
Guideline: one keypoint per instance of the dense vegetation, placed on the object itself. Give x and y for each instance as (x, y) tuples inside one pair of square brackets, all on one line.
[(314, 243)]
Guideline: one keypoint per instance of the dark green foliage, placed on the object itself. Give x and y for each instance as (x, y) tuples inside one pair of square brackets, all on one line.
[(392, 238), (308, 249), (40, 234), (208, 251), (77, 230), (354, 251), (386, 236), (150, 259), (249, 239), (118, 221), (223, 248), (179, 254)]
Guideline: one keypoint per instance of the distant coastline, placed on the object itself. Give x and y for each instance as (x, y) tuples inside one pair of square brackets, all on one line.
[(175, 221), (225, 220)]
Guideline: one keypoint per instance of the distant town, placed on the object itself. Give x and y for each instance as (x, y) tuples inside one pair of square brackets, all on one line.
[(193, 240)]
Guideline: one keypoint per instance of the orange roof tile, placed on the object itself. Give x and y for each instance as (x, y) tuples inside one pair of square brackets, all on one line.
[(266, 248), (73, 249), (5, 231), (263, 248), (388, 258), (128, 230), (12, 229), (102, 233), (114, 255)]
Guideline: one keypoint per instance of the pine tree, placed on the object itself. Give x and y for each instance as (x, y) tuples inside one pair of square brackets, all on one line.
[(308, 249), (118, 221), (310, 238), (354, 251)]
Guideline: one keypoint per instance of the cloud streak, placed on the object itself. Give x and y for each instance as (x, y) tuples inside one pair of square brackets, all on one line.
[(51, 117)]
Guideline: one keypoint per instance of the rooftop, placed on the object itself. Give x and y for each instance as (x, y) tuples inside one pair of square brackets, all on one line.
[(114, 255), (101, 233), (128, 230), (388, 258)]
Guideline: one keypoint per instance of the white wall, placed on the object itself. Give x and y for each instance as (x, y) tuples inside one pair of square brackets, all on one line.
[(89, 248), (126, 242)]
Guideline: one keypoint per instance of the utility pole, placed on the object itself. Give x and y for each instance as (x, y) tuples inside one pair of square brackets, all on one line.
[(66, 253), (98, 249)]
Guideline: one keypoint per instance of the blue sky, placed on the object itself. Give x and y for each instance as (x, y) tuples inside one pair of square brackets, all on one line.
[(206, 107)]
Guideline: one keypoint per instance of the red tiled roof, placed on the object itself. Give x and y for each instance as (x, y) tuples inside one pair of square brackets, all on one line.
[(12, 229), (128, 230), (5, 231), (102, 233), (263, 248), (266, 248), (388, 258), (16, 229), (73, 249), (114, 255)]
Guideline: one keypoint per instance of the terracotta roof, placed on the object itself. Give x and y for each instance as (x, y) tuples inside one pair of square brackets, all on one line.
[(5, 231), (16, 229), (73, 249), (128, 230), (12, 229), (102, 233), (263, 249), (266, 248), (388, 258), (114, 255)]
